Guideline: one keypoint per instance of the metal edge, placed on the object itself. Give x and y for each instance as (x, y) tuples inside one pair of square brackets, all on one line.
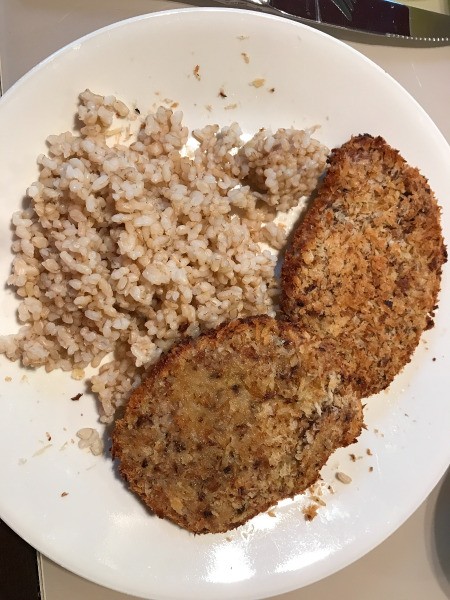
[(41, 576), (436, 40)]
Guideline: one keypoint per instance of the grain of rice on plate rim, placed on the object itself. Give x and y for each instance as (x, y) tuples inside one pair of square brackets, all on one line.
[(129, 244)]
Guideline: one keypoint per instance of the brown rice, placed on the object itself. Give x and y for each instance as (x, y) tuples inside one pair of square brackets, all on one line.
[(129, 243)]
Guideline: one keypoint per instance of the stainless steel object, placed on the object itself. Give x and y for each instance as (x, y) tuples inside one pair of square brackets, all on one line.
[(379, 17)]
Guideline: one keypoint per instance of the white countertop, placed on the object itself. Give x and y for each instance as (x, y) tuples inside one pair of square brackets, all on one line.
[(414, 563)]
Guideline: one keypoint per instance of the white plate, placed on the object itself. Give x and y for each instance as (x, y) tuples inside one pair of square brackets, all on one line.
[(101, 531)]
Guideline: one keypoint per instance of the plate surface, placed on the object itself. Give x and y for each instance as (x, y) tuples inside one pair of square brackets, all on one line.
[(98, 529)]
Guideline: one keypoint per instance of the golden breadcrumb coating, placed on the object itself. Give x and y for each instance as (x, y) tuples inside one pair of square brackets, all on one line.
[(227, 424), (364, 267)]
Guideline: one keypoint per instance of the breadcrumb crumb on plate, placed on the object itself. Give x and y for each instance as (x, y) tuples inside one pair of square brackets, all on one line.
[(310, 512), (258, 82)]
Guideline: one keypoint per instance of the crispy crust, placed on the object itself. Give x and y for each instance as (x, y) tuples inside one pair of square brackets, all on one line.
[(226, 425), (365, 264)]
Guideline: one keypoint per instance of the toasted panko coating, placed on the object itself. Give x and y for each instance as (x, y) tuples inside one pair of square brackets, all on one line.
[(364, 267), (228, 424)]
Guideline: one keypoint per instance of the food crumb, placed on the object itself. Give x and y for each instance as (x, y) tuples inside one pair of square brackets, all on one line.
[(24, 378), (42, 450), (330, 489), (229, 538), (64, 494), (230, 106), (90, 438), (271, 513), (49, 437), (318, 500), (354, 458), (243, 37), (175, 105), (8, 379), (272, 90), (343, 477), (246, 57), (22, 461), (369, 452), (137, 111), (315, 489), (78, 374), (257, 83), (76, 397), (310, 512), (222, 93), (208, 107), (433, 359), (370, 469), (197, 72), (64, 446)]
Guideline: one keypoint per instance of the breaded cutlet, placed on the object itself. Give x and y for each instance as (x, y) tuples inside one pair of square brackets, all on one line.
[(364, 267), (227, 424)]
